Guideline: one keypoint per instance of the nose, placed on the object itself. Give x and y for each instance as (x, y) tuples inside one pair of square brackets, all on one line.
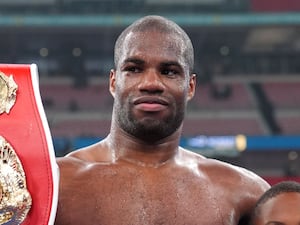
[(151, 82)]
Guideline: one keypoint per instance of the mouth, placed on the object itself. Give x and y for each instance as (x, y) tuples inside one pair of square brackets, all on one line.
[(150, 104)]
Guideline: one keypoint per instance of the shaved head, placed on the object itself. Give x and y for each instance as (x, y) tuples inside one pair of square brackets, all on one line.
[(161, 25), (277, 189)]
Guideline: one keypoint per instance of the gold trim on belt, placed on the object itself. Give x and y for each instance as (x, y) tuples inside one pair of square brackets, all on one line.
[(8, 93), (15, 200)]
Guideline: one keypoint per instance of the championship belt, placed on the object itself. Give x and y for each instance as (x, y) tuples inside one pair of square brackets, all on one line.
[(29, 174)]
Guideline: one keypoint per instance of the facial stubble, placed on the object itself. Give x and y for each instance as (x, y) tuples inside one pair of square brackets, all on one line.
[(149, 128)]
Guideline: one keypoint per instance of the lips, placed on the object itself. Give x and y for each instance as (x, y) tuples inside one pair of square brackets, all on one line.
[(150, 104)]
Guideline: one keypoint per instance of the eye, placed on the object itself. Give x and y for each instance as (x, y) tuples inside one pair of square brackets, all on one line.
[(132, 69), (170, 72)]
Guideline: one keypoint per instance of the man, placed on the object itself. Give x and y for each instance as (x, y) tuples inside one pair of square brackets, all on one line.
[(280, 205), (138, 175)]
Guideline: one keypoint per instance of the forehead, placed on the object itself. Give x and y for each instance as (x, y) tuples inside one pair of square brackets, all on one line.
[(281, 207), (153, 43)]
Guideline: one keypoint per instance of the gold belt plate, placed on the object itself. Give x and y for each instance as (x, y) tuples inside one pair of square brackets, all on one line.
[(15, 200), (8, 93)]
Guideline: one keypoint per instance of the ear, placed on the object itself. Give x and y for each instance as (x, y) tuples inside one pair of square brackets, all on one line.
[(192, 86), (112, 82)]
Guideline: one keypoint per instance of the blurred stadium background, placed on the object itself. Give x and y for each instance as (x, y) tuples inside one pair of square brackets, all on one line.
[(247, 107)]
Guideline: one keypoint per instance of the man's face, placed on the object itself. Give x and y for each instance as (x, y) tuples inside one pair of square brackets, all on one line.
[(151, 85), (283, 209)]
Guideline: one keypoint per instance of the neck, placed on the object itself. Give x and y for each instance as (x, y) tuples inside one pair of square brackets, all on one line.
[(130, 149)]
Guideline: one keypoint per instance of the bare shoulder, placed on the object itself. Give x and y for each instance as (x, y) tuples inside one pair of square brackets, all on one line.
[(69, 162), (74, 169), (81, 159), (70, 166), (234, 176), (238, 185), (228, 174), (91, 153)]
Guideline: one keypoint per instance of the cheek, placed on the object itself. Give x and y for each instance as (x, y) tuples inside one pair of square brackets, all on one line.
[(121, 85), (182, 88), (179, 85), (123, 91), (125, 82)]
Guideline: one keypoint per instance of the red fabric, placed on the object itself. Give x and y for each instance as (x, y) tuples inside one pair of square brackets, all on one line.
[(23, 129), (275, 5)]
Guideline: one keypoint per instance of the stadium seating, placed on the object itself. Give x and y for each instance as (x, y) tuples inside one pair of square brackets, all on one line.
[(223, 96), (72, 128), (66, 97), (283, 94)]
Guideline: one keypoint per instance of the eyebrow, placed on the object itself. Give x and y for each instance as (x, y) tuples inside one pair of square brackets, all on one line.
[(170, 63), (135, 61), (140, 62)]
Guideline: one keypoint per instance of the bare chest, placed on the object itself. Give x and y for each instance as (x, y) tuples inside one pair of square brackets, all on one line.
[(134, 198)]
